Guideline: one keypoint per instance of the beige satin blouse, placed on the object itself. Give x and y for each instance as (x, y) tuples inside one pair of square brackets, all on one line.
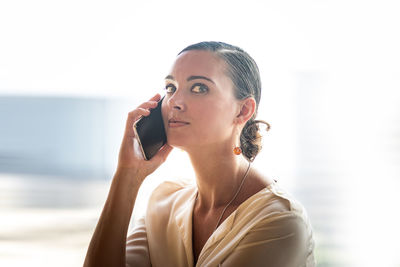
[(268, 229)]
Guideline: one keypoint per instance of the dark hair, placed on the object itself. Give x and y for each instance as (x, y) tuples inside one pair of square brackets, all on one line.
[(245, 76)]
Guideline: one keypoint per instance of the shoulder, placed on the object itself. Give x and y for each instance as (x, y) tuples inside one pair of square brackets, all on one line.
[(275, 221), (274, 209), (265, 194), (278, 204), (288, 217), (286, 201)]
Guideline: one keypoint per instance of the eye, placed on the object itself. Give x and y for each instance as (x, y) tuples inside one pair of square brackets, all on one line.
[(199, 88), (170, 88)]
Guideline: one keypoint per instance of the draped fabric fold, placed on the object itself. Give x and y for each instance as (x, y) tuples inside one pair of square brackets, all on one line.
[(269, 229)]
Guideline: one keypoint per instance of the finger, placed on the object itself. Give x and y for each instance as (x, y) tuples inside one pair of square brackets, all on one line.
[(156, 97), (152, 103), (133, 116), (137, 113), (148, 104)]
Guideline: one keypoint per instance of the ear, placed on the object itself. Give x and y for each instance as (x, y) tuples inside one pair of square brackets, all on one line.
[(246, 111)]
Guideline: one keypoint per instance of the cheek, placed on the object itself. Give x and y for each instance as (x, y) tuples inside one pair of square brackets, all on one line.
[(214, 117), (164, 111)]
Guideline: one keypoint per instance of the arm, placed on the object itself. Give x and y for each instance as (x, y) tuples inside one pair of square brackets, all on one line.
[(108, 244)]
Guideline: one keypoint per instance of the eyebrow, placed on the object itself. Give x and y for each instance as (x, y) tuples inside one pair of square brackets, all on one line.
[(170, 77)]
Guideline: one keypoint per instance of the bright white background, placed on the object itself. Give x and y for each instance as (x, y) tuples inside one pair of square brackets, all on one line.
[(331, 88)]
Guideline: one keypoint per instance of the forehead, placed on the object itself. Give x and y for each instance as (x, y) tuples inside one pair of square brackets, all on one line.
[(197, 62)]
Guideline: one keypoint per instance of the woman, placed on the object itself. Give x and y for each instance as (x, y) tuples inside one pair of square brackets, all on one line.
[(234, 215)]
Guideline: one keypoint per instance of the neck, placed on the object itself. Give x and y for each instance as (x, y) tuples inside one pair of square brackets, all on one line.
[(218, 176)]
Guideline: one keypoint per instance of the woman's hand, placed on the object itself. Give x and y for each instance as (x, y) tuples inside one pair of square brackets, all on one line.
[(108, 244), (130, 158)]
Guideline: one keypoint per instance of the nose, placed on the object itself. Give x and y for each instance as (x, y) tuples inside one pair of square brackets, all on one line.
[(176, 102)]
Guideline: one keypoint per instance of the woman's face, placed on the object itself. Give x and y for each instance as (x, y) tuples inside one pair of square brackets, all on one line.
[(199, 108)]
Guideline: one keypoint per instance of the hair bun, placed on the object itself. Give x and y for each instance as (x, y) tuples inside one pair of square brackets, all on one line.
[(250, 138)]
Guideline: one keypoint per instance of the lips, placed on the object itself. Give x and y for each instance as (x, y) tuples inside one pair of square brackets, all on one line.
[(175, 122)]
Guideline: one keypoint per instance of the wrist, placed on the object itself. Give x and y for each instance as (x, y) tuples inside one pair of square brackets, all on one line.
[(129, 175)]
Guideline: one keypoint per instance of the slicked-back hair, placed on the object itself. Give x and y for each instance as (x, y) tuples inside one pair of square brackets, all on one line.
[(244, 74)]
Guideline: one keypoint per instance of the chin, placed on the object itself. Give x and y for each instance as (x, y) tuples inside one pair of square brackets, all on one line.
[(177, 142)]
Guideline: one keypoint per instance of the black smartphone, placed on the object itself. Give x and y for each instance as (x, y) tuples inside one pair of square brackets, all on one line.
[(150, 132)]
